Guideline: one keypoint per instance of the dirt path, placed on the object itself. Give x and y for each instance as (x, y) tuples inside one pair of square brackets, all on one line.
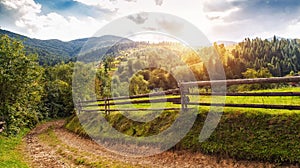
[(41, 154), (50, 145)]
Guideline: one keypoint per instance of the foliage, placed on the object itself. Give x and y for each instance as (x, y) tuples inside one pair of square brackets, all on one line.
[(138, 85), (85, 84), (252, 73), (20, 78), (279, 56), (57, 98), (29, 92)]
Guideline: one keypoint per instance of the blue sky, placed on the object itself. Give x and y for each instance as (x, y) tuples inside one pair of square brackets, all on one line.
[(218, 19)]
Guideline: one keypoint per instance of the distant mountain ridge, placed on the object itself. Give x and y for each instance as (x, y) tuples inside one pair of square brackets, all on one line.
[(226, 43), (54, 51)]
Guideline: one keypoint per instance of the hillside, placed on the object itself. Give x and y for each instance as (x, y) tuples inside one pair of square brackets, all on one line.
[(51, 52)]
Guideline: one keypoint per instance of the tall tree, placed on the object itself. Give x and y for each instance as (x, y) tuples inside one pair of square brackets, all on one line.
[(20, 85)]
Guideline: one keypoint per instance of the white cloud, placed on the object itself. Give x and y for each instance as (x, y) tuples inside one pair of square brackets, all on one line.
[(56, 26), (23, 6), (221, 15), (26, 11), (292, 30), (219, 19), (237, 19), (52, 25), (29, 18), (101, 4)]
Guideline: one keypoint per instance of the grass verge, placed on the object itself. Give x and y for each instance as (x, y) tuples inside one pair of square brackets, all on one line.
[(243, 134), (10, 152)]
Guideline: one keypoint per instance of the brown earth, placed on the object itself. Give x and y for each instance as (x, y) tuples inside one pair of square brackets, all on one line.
[(50, 145)]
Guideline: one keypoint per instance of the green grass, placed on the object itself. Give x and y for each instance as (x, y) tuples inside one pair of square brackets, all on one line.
[(250, 135), (289, 100), (274, 100), (243, 133), (283, 89), (11, 155), (240, 135)]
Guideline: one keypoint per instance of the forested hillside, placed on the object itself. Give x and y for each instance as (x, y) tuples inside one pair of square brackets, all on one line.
[(154, 66), (280, 56), (52, 52)]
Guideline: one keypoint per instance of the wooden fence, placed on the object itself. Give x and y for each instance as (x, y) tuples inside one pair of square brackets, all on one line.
[(182, 94), (184, 87), (106, 103)]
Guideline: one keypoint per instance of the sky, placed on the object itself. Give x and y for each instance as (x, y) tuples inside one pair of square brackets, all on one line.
[(219, 20)]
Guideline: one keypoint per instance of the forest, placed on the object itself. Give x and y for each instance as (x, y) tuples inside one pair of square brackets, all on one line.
[(32, 92), (161, 66)]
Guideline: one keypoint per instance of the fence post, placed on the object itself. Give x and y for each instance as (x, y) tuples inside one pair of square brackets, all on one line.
[(79, 106), (2, 126), (184, 98), (108, 107), (105, 105)]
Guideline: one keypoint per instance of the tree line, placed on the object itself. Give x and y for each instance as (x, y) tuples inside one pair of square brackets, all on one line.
[(30, 92), (279, 56)]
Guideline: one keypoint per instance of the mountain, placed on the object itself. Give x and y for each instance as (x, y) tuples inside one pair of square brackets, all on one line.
[(51, 52), (279, 38), (226, 43)]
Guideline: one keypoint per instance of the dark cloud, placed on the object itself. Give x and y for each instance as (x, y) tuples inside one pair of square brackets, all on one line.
[(150, 28), (159, 2), (171, 26), (251, 17), (216, 6), (252, 9), (138, 18), (7, 18), (213, 17), (130, 0), (124, 0)]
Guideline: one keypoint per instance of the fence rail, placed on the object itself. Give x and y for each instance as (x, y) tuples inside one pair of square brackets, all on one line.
[(265, 106), (133, 109), (181, 96), (247, 94), (136, 99), (186, 85), (173, 100), (242, 81), (156, 94)]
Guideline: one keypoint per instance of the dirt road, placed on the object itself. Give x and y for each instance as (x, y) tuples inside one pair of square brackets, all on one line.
[(50, 145)]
